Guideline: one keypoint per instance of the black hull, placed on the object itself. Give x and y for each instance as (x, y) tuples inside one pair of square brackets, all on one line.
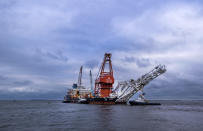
[(66, 101), (142, 103), (102, 101), (99, 101)]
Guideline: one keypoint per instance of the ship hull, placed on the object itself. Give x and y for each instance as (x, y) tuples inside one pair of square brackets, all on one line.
[(66, 101), (102, 101), (98, 101)]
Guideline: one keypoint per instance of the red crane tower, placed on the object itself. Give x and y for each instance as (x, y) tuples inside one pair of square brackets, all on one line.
[(105, 80)]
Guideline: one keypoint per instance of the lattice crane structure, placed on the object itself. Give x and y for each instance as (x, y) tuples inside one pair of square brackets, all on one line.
[(105, 80), (126, 89), (79, 85)]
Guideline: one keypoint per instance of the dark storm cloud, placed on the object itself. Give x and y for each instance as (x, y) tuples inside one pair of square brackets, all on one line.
[(20, 83), (36, 63), (13, 84), (176, 86), (58, 55), (140, 62), (2, 78)]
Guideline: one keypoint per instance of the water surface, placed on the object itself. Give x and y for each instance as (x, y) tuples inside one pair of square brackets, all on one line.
[(57, 116)]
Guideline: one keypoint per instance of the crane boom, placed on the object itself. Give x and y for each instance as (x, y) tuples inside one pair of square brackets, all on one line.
[(80, 78), (91, 86), (126, 89)]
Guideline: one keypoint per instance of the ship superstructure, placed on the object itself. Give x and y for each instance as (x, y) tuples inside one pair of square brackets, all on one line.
[(78, 91)]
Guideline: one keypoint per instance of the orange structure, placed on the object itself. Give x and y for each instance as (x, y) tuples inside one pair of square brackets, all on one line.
[(105, 80)]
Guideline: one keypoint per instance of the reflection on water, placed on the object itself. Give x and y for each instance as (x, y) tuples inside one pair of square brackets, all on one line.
[(54, 115)]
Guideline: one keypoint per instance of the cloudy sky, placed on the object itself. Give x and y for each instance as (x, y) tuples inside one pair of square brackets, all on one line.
[(44, 43)]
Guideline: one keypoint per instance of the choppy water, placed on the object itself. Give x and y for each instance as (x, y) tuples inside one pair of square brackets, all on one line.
[(57, 116)]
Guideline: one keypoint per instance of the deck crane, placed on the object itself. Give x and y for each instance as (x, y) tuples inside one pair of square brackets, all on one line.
[(126, 89), (104, 80), (79, 85), (91, 86)]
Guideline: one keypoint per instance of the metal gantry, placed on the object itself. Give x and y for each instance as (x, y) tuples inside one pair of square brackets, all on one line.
[(126, 89), (105, 79)]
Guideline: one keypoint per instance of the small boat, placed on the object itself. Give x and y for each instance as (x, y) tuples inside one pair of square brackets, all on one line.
[(142, 101), (83, 101)]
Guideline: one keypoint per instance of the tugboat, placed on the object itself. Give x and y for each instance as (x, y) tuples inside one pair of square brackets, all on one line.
[(141, 101), (83, 101)]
